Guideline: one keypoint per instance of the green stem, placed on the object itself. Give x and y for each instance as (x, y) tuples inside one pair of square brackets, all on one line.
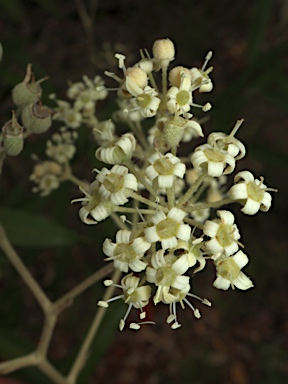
[(191, 190), (83, 354)]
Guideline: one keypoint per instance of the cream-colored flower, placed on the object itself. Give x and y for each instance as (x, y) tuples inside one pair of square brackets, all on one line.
[(116, 184), (212, 159), (229, 272), (168, 228), (251, 193), (126, 253), (227, 143), (179, 99), (133, 295), (118, 151), (47, 176), (200, 78), (147, 102), (166, 272), (224, 234), (62, 148), (164, 169), (94, 209)]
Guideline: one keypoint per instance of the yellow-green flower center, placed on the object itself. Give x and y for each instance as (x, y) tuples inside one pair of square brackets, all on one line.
[(167, 228), (124, 253), (114, 182), (165, 276), (255, 192), (228, 269), (164, 167), (224, 235), (144, 100), (95, 200), (182, 97), (214, 155)]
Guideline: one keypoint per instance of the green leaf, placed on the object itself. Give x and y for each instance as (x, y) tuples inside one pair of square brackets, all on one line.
[(30, 230)]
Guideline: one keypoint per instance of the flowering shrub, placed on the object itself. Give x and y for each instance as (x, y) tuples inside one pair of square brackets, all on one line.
[(160, 199)]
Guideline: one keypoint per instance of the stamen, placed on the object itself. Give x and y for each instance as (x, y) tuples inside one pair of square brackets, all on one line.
[(113, 76), (236, 127), (207, 59), (137, 326)]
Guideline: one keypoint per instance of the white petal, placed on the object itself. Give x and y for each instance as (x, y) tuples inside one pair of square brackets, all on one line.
[(123, 236), (184, 232), (108, 247), (121, 265), (165, 181), (181, 265), (243, 282), (176, 214), (226, 217), (151, 275), (179, 170), (84, 216), (215, 169), (159, 216), (151, 173), (241, 259), (230, 249), (140, 246), (181, 282), (210, 228), (213, 246), (244, 175), (137, 265), (251, 207), (238, 191), (118, 198), (151, 234), (266, 202), (169, 243), (221, 283)]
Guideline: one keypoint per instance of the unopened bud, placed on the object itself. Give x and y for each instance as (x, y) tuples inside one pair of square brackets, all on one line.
[(13, 137), (36, 118), (163, 51), (28, 91), (175, 75)]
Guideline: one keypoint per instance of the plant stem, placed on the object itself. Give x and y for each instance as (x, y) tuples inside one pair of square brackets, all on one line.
[(83, 353), (29, 280)]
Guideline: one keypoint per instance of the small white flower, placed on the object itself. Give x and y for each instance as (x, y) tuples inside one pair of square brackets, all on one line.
[(133, 295), (200, 78), (62, 148), (227, 143), (224, 234), (147, 102), (118, 151), (179, 100), (116, 184), (125, 253), (94, 209), (251, 192), (214, 160), (168, 228), (164, 169), (166, 272), (229, 272)]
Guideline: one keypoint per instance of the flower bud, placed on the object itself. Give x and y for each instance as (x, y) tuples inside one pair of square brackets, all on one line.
[(28, 91), (163, 51), (36, 118), (175, 77), (13, 137)]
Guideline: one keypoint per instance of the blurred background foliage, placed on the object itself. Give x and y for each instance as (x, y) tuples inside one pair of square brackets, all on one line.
[(243, 337)]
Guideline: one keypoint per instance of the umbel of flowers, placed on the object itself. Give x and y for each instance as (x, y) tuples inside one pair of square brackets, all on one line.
[(167, 205)]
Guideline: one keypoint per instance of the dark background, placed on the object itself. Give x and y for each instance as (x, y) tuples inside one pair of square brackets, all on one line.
[(242, 338)]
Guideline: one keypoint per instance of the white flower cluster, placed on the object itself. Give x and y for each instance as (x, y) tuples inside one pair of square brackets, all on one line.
[(168, 236)]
